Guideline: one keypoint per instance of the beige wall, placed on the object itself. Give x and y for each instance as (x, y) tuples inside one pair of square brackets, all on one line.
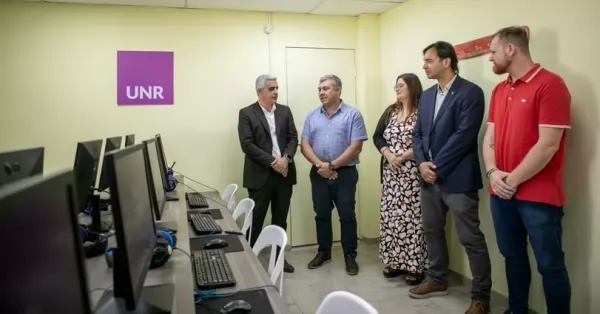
[(367, 87), (58, 81), (562, 40)]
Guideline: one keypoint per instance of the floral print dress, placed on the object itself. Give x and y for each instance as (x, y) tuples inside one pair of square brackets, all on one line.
[(402, 241)]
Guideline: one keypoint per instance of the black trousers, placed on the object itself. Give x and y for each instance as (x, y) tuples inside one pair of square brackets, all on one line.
[(277, 195), (340, 193)]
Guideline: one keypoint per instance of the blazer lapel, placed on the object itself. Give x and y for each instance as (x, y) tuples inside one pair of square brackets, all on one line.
[(261, 117), (279, 118), (431, 112)]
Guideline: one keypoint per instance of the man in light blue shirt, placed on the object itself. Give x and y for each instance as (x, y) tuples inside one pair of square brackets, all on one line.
[(332, 139)]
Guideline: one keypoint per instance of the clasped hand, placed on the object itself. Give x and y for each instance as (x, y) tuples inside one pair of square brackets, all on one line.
[(325, 172), (395, 160), (280, 165), (427, 172), (499, 185)]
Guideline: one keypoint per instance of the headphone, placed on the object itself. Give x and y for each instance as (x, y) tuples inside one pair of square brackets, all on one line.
[(94, 244), (165, 242), (171, 180)]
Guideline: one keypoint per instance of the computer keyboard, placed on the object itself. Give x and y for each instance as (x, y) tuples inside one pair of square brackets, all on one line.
[(196, 200), (212, 270), (203, 223)]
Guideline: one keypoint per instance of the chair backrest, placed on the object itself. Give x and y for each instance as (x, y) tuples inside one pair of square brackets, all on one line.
[(273, 236), (245, 206), (228, 196), (345, 302)]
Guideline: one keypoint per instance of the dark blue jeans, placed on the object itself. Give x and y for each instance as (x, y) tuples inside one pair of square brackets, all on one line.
[(514, 220), (341, 193)]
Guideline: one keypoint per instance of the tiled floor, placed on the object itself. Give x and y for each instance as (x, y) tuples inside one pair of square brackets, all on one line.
[(305, 289)]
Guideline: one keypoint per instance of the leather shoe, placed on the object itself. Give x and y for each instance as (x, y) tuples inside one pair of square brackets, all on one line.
[(321, 259), (478, 307), (351, 266), (287, 267)]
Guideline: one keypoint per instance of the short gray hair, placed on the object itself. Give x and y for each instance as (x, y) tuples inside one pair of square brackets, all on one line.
[(261, 81), (337, 83)]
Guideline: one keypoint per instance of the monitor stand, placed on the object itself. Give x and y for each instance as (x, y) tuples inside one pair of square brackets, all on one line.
[(96, 213), (171, 196), (154, 300)]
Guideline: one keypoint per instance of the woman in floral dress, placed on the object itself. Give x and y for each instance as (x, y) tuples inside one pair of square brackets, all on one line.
[(402, 245)]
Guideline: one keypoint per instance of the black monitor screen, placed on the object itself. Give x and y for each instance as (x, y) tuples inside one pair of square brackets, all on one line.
[(43, 270), (155, 177), (129, 140), (134, 223), (162, 160), (87, 157), (19, 164), (112, 143)]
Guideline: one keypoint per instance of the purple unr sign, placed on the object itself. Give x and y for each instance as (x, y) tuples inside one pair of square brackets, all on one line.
[(145, 78)]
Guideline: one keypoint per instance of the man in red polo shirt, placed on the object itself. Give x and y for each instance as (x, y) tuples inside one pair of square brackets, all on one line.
[(523, 150)]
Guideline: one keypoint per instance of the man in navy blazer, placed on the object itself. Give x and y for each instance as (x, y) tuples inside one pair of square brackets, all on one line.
[(445, 147)]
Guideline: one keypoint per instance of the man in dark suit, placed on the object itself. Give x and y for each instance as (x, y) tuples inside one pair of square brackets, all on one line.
[(445, 147), (269, 140)]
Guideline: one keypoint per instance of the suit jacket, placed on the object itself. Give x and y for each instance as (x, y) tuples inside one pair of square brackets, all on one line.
[(255, 139), (452, 137)]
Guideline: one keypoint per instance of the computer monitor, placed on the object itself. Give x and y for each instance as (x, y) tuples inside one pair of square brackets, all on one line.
[(133, 222), (129, 140), (20, 164), (112, 143), (162, 159), (87, 158), (155, 185), (85, 169), (43, 270)]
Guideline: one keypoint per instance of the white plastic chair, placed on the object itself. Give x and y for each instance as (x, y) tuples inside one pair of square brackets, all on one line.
[(345, 302), (229, 196), (246, 206), (273, 236)]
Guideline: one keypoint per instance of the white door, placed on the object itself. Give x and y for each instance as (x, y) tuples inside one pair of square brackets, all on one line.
[(304, 68)]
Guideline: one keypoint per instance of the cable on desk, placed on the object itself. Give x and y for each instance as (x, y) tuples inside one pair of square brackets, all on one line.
[(208, 186), (100, 289), (213, 294), (107, 224), (184, 252), (220, 202), (104, 235), (206, 197)]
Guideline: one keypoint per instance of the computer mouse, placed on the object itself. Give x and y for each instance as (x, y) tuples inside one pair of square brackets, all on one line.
[(216, 244), (236, 306)]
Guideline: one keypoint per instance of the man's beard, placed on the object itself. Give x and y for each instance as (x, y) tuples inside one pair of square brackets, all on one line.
[(499, 69)]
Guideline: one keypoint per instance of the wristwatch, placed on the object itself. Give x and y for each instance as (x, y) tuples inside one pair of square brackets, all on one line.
[(289, 159), (331, 166)]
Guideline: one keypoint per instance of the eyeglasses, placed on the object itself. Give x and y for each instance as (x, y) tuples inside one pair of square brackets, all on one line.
[(397, 87)]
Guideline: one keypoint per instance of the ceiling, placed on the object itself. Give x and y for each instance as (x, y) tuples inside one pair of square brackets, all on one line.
[(321, 7)]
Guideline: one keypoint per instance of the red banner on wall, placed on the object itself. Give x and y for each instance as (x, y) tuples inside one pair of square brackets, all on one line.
[(477, 47)]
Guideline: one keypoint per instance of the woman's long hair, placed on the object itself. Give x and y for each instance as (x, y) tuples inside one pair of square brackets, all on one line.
[(415, 89)]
